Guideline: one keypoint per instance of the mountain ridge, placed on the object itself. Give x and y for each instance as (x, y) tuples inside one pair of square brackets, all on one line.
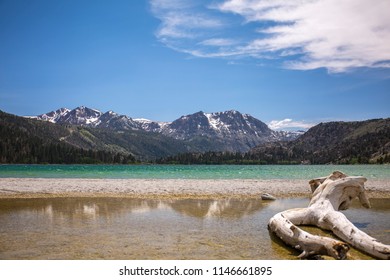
[(229, 130), (26, 140)]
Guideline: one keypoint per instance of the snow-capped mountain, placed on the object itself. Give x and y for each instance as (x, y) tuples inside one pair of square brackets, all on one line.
[(53, 116), (115, 121), (80, 116), (289, 135), (85, 116), (229, 130), (221, 124)]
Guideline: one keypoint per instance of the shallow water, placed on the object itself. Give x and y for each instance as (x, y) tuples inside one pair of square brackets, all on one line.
[(124, 228)]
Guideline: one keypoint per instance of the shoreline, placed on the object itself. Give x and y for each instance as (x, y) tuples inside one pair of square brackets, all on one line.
[(167, 188)]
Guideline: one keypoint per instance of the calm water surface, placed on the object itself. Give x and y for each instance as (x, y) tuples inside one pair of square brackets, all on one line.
[(124, 228), (191, 171)]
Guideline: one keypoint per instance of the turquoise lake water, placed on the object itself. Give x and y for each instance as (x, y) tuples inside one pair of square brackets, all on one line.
[(190, 171)]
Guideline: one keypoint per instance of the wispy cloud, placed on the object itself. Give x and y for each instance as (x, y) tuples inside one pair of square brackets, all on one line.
[(289, 124), (219, 42), (182, 19), (308, 34)]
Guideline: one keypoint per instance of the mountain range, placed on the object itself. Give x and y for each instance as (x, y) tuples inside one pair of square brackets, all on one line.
[(222, 131), (85, 135)]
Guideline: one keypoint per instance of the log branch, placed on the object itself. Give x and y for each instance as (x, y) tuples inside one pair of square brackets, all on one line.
[(308, 243), (330, 194)]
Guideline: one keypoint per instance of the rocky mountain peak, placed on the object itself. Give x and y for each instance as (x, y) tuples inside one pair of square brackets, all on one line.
[(53, 116), (81, 116)]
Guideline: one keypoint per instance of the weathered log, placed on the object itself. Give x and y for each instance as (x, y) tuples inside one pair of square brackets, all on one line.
[(330, 194)]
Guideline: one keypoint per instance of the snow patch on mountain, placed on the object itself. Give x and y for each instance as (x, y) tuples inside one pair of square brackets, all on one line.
[(53, 116), (151, 126), (214, 121)]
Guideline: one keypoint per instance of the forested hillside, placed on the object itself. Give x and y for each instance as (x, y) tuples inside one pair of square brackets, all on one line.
[(333, 142)]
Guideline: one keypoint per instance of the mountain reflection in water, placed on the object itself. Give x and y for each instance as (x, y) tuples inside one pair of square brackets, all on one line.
[(127, 228), (94, 208)]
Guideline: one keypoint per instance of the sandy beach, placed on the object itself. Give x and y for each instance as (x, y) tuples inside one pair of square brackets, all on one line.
[(166, 188)]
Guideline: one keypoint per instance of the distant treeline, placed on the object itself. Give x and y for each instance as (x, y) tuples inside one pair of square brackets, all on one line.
[(221, 158), (277, 156)]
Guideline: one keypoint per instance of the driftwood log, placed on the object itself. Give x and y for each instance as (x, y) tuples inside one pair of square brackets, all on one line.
[(330, 194)]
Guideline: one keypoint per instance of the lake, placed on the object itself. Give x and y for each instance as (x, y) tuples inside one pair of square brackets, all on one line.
[(306, 172)]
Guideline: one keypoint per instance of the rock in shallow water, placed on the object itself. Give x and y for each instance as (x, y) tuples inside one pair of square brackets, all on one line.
[(267, 196)]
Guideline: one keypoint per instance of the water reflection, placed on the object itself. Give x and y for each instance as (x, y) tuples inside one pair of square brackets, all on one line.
[(228, 208), (124, 228), (93, 208)]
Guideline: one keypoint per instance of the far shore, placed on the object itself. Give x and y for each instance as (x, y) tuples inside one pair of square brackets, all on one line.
[(167, 188)]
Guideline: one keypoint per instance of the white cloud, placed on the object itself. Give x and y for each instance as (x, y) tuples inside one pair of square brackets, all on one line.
[(218, 42), (185, 25), (289, 124), (306, 34), (335, 34)]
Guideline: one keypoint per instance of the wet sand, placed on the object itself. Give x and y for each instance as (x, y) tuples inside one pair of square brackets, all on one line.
[(167, 188)]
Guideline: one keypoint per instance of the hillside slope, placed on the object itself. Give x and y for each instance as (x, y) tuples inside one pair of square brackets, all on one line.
[(333, 142)]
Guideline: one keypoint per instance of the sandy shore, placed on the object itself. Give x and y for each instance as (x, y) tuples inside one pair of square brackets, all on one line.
[(165, 188)]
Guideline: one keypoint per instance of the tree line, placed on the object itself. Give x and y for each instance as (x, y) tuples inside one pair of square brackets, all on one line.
[(278, 155), (19, 146), (210, 157)]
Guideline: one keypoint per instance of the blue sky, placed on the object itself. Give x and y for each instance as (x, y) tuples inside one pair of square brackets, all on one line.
[(287, 63)]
